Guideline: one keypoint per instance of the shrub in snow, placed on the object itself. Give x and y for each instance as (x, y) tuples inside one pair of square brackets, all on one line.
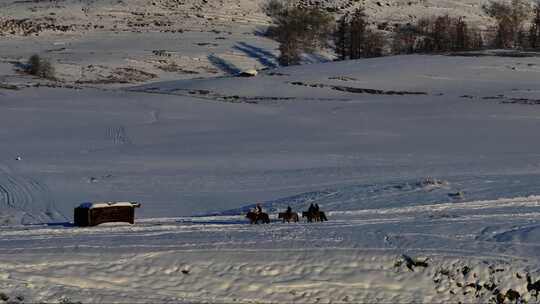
[(40, 67)]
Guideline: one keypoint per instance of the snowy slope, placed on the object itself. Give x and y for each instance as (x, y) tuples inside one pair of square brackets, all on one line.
[(114, 43), (207, 145), (359, 138)]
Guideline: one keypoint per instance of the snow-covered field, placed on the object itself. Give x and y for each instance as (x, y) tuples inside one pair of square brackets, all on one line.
[(427, 166), (359, 138)]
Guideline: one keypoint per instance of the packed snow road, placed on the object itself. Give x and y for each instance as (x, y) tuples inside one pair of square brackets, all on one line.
[(355, 257)]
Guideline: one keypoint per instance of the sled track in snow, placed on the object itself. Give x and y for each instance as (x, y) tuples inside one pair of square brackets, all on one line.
[(28, 196)]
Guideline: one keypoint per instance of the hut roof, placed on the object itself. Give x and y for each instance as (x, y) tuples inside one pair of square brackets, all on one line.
[(92, 205)]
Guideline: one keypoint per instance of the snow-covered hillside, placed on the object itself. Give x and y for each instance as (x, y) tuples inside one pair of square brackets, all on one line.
[(106, 42), (166, 14)]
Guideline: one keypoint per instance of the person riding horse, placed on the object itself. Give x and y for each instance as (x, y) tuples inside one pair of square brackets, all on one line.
[(314, 214), (288, 215), (257, 214)]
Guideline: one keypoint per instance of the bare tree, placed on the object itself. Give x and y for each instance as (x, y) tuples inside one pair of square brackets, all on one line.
[(462, 40), (353, 39), (534, 31), (441, 34), (358, 28), (437, 34), (405, 39), (342, 37), (374, 45), (510, 18)]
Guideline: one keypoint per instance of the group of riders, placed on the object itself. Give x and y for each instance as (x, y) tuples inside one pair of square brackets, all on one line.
[(313, 214)]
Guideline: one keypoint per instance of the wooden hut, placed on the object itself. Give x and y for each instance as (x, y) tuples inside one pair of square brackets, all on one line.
[(92, 214)]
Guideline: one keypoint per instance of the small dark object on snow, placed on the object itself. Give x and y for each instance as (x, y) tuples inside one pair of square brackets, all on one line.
[(411, 263), (4, 297), (185, 271), (512, 295), (457, 195), (92, 214), (533, 286)]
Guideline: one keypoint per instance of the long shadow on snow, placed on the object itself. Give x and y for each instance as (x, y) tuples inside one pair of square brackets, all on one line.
[(224, 65), (62, 224), (221, 222), (265, 57)]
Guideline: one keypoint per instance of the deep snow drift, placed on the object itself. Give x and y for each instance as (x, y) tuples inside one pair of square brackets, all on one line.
[(359, 138)]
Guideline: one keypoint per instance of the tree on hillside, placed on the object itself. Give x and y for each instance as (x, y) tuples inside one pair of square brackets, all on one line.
[(510, 18), (374, 44), (342, 37), (358, 28), (353, 39), (534, 31), (437, 34), (405, 39), (462, 39), (442, 34), (297, 29)]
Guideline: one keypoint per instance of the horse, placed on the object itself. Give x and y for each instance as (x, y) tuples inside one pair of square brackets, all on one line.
[(254, 218), (317, 216), (308, 216), (284, 216)]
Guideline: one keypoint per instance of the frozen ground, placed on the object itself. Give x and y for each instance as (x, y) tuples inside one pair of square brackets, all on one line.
[(359, 138)]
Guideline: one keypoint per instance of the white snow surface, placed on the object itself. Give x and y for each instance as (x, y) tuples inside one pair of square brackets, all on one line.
[(379, 144)]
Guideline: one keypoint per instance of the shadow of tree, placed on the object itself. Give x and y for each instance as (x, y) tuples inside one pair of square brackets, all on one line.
[(217, 222), (63, 224), (315, 58), (265, 57), (223, 65)]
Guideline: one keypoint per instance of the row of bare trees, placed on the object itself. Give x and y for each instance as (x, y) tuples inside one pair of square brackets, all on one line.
[(302, 29), (353, 39), (511, 17), (436, 34)]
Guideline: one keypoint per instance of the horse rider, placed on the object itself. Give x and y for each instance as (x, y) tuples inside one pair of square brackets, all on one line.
[(289, 211), (311, 209), (258, 209)]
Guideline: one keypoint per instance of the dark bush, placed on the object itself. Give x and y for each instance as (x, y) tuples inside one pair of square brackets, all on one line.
[(40, 67)]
